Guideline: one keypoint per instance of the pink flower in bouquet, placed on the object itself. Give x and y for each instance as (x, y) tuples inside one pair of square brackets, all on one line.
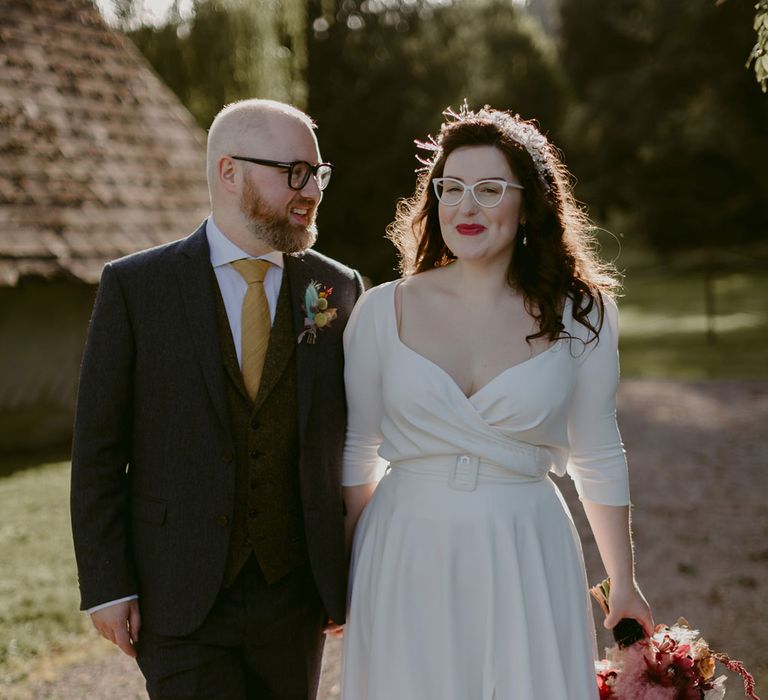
[(606, 679), (659, 670), (671, 665), (668, 666), (674, 664)]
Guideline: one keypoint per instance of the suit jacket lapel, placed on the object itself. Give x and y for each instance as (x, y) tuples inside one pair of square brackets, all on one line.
[(195, 278), (299, 276)]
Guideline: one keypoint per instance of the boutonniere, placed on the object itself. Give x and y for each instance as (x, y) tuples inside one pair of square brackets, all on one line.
[(319, 312)]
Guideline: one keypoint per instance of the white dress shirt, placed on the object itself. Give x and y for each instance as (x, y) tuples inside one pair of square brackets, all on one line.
[(233, 287), (232, 284)]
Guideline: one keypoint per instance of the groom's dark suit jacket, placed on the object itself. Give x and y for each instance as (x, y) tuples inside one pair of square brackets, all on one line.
[(154, 460)]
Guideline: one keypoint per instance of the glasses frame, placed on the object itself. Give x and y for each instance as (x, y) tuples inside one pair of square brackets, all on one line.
[(311, 170), (442, 180)]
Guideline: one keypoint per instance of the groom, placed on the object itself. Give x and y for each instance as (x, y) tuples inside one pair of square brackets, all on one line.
[(206, 501)]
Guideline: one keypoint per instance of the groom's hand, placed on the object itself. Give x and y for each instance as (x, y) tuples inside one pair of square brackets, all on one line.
[(331, 629), (119, 624)]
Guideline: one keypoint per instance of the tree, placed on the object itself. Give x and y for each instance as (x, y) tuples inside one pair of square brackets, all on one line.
[(669, 133), (125, 13), (229, 50)]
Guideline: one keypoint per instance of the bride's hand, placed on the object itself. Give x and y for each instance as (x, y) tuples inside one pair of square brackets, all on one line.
[(331, 629), (626, 600)]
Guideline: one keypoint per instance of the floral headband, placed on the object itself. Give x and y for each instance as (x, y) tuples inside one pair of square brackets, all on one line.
[(522, 132)]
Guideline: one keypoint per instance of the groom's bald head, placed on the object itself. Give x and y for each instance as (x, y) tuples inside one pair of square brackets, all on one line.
[(244, 128)]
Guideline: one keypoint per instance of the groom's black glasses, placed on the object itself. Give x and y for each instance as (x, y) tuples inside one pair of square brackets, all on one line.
[(299, 171)]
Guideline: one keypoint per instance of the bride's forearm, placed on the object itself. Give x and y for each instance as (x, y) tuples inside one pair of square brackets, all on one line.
[(355, 500), (611, 528)]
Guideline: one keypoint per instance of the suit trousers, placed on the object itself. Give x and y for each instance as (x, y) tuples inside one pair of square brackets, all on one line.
[(259, 642)]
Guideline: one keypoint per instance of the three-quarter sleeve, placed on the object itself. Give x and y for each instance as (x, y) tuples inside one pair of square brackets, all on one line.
[(597, 463), (363, 379)]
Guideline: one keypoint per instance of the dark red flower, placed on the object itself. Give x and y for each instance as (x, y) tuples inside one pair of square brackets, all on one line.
[(606, 691)]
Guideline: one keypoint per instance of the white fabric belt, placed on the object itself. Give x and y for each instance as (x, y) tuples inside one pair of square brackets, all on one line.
[(463, 472)]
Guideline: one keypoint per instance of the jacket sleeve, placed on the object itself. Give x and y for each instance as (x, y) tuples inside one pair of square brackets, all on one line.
[(99, 496)]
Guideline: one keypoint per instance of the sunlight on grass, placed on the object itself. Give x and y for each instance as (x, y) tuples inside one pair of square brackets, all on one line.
[(664, 327), (38, 582), (640, 323)]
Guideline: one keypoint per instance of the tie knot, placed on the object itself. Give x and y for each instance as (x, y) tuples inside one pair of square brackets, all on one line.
[(252, 271)]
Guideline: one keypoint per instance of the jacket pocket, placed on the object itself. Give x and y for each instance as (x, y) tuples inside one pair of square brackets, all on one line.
[(149, 510)]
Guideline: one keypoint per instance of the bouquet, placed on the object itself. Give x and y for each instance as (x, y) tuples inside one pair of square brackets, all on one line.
[(674, 664)]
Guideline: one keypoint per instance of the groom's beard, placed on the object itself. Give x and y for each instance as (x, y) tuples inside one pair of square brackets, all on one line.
[(275, 228)]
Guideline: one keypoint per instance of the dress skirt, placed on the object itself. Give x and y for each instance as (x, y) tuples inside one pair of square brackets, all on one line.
[(467, 591)]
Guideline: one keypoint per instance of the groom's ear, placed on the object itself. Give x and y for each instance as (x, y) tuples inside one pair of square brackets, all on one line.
[(227, 174)]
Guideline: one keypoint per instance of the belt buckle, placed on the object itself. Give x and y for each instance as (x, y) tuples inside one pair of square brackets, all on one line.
[(463, 476)]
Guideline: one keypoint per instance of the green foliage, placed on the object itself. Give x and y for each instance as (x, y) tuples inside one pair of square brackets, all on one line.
[(230, 50), (759, 54), (380, 75), (669, 133)]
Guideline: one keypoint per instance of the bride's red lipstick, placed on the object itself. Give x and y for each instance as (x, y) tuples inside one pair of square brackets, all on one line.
[(470, 229)]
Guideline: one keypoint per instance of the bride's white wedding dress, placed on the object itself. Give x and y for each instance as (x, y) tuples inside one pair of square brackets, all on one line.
[(467, 579)]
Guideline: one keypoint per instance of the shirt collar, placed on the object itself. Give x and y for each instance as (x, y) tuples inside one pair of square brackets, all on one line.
[(223, 251)]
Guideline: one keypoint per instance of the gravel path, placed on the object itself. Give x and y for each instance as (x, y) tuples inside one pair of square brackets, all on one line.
[(699, 477)]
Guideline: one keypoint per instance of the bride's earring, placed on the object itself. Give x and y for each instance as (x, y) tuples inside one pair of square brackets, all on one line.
[(521, 229)]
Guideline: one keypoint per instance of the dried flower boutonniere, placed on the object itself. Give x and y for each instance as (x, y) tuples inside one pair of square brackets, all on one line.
[(319, 313)]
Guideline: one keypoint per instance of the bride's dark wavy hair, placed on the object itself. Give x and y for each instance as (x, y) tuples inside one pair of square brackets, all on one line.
[(559, 260)]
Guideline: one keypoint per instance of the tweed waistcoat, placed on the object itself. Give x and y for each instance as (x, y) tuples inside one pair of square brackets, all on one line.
[(267, 518)]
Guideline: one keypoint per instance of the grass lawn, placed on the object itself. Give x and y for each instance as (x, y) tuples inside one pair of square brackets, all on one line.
[(38, 584), (664, 327)]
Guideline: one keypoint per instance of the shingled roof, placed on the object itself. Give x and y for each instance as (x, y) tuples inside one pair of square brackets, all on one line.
[(98, 158)]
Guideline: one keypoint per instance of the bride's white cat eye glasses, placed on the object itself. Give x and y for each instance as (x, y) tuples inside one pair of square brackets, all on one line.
[(487, 193)]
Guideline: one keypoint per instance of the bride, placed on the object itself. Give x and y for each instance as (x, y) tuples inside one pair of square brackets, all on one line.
[(491, 363)]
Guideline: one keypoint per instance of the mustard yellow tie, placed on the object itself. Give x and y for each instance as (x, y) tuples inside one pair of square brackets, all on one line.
[(256, 322)]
